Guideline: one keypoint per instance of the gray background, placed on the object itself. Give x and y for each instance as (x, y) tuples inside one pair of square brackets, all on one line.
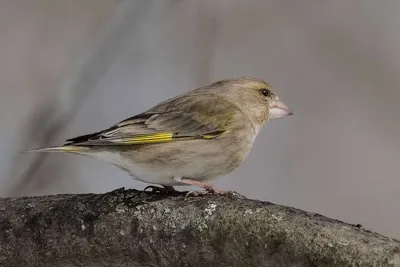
[(74, 67)]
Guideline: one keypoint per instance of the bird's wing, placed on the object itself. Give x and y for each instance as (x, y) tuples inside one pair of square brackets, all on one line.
[(173, 120)]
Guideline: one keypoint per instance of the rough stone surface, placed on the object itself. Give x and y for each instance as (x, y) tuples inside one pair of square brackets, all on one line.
[(132, 228)]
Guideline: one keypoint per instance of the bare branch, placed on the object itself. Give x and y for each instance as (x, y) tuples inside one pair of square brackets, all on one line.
[(132, 228)]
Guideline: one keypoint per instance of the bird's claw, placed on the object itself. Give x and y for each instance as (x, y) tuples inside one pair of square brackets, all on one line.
[(159, 190)]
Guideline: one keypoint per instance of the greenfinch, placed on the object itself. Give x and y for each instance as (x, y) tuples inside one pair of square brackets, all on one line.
[(190, 139)]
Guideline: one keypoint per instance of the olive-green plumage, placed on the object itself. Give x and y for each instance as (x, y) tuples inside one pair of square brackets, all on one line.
[(189, 139)]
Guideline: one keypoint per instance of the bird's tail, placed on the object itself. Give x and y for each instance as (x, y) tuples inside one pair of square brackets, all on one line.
[(67, 148)]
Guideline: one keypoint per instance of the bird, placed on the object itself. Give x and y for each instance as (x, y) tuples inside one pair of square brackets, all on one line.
[(190, 139)]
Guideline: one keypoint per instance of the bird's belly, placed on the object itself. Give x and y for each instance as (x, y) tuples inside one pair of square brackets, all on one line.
[(141, 172), (197, 160), (151, 176), (164, 175), (201, 164), (202, 170)]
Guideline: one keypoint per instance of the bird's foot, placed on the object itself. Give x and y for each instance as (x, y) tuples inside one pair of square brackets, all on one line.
[(160, 190)]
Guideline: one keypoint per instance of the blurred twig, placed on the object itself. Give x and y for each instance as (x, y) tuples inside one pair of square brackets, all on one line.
[(89, 68)]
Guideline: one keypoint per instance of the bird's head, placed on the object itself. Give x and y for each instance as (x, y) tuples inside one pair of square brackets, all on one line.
[(255, 97)]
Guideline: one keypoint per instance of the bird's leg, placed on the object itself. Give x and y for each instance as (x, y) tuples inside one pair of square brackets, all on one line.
[(210, 189), (164, 189)]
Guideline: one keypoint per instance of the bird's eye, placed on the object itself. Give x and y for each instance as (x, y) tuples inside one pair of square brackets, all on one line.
[(266, 92)]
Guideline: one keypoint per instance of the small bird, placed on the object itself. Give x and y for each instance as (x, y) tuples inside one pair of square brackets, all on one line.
[(190, 139)]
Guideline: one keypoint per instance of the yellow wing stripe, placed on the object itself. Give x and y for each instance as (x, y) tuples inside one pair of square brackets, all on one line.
[(160, 138), (145, 139), (214, 134)]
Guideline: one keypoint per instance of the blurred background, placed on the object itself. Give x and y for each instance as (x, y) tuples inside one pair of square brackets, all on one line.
[(72, 67)]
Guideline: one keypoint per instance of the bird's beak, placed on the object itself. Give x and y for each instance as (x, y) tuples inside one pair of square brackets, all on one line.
[(279, 110)]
